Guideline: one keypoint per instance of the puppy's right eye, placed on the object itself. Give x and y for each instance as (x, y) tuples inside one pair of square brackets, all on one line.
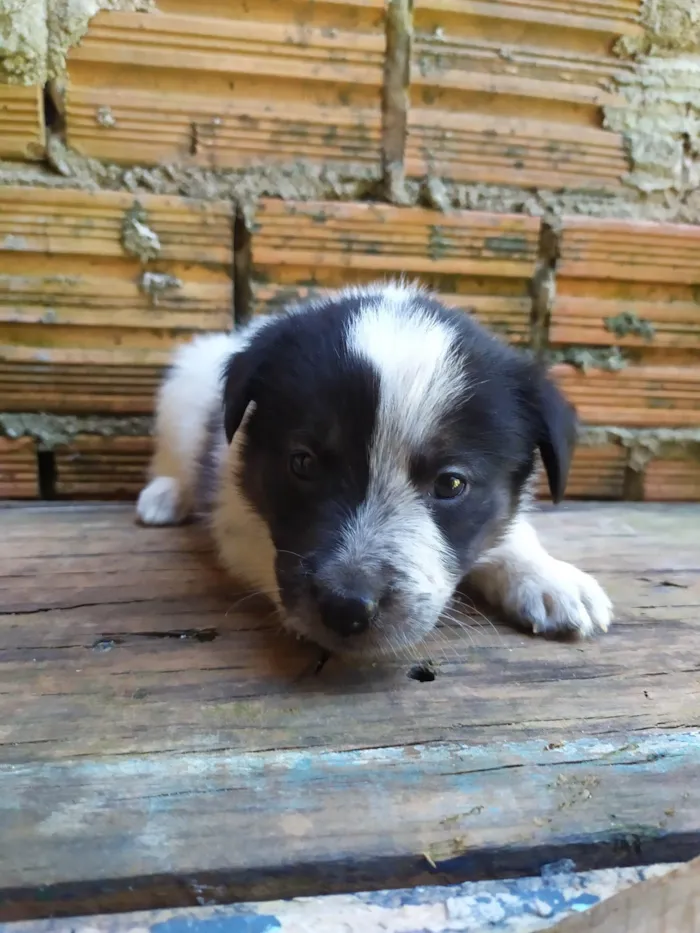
[(303, 464)]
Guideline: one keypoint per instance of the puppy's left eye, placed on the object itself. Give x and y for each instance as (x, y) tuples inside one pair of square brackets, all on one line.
[(303, 464), (449, 486)]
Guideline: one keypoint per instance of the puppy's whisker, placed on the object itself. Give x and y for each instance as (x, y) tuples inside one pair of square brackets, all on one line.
[(301, 557), (472, 608), (253, 595), (473, 630)]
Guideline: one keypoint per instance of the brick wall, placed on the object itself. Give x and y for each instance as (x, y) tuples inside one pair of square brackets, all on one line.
[(175, 167)]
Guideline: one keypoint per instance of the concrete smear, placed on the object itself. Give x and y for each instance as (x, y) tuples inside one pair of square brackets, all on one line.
[(645, 444), (69, 21), (24, 41), (36, 35), (294, 181), (51, 431), (660, 120)]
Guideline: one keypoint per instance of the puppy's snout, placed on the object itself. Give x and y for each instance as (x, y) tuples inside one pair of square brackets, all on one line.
[(346, 612)]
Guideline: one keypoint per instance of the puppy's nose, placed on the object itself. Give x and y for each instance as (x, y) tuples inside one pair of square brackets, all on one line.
[(346, 613)]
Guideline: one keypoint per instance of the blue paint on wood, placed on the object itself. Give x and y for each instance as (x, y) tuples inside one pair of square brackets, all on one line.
[(245, 923)]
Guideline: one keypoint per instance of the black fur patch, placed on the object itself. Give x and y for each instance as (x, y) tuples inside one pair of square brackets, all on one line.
[(311, 392)]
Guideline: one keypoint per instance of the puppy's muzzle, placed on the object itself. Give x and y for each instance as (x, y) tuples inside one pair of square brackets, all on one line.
[(346, 612)]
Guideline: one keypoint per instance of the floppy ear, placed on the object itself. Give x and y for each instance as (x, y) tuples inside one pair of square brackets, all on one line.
[(556, 439), (239, 388)]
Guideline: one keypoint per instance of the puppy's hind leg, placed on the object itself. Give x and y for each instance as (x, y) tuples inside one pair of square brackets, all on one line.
[(165, 499), (536, 590), (188, 396)]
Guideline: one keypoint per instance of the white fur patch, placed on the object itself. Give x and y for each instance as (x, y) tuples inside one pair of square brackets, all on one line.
[(190, 393), (160, 502), (411, 351), (535, 589), (420, 376)]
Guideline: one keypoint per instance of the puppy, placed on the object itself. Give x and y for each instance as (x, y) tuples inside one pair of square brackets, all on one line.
[(359, 456)]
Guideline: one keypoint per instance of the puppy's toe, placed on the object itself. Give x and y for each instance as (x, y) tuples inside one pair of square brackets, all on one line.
[(560, 599), (159, 502)]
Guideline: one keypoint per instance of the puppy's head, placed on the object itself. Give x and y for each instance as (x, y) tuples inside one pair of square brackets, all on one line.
[(390, 442)]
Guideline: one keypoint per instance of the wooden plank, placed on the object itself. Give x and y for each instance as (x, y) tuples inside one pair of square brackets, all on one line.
[(511, 92), (98, 288), (149, 720), (481, 262), (18, 468), (21, 123), (230, 84), (520, 905)]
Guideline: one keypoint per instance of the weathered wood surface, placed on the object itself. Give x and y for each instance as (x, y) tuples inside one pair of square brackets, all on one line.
[(162, 742), (516, 905)]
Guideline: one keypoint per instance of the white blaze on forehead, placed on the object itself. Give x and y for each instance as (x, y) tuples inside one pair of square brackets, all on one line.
[(413, 352), (420, 377)]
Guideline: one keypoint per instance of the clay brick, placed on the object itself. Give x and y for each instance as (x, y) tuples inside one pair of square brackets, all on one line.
[(21, 123), (673, 479), (633, 285), (102, 467), (596, 473), (639, 396), (19, 478), (511, 92), (231, 83), (81, 329), (610, 268), (476, 260)]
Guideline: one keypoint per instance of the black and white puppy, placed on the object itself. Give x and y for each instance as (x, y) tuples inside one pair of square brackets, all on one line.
[(360, 456)]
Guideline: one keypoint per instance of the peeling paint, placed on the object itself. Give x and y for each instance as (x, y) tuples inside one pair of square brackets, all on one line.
[(518, 905)]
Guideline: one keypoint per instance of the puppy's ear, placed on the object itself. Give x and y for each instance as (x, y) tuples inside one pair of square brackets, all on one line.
[(557, 428), (239, 388)]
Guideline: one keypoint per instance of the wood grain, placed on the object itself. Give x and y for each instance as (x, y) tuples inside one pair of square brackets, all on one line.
[(481, 262), (150, 722), (230, 84)]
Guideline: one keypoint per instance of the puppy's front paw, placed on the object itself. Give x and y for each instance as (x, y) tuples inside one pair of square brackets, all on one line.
[(159, 502), (556, 597)]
